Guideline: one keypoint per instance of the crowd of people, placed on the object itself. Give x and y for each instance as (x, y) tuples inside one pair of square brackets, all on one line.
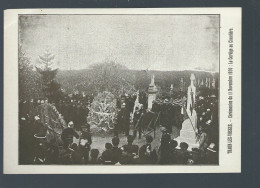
[(35, 149)]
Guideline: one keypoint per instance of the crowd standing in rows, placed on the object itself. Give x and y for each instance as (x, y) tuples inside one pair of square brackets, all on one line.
[(36, 150)]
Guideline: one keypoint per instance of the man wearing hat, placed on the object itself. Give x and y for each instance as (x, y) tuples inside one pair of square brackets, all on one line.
[(68, 134), (123, 120), (147, 155)]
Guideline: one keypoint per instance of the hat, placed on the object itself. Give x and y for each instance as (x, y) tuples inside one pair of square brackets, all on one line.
[(149, 138), (212, 147), (130, 138), (196, 150), (173, 143), (208, 122), (37, 118), (70, 124), (163, 129), (184, 145), (115, 140), (166, 101), (200, 97)]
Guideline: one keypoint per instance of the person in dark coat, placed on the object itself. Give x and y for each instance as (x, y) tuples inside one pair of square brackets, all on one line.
[(147, 155), (166, 116), (94, 157), (52, 153), (40, 153), (184, 153), (115, 151), (85, 142), (26, 141), (147, 121), (106, 156), (76, 155), (137, 116), (123, 121), (130, 151), (164, 149), (174, 152), (68, 134)]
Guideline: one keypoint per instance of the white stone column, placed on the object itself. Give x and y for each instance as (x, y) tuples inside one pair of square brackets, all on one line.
[(189, 126), (191, 96), (152, 91)]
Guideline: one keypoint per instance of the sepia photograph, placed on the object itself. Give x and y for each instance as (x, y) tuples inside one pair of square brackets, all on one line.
[(118, 89), (133, 89)]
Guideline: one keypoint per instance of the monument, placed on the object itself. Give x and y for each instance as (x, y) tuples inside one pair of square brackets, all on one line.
[(152, 91), (189, 126), (171, 89), (191, 95)]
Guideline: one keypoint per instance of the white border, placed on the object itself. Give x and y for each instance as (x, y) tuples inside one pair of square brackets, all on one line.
[(230, 17)]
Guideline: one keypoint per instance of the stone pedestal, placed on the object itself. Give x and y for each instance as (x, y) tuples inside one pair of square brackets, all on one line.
[(187, 133), (151, 98)]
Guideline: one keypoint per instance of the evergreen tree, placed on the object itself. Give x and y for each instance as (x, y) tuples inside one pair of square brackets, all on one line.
[(50, 87), (29, 87)]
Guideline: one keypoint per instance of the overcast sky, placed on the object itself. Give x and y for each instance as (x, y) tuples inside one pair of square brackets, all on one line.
[(157, 42)]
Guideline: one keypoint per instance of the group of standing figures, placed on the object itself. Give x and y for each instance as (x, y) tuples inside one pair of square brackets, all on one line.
[(33, 147)]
